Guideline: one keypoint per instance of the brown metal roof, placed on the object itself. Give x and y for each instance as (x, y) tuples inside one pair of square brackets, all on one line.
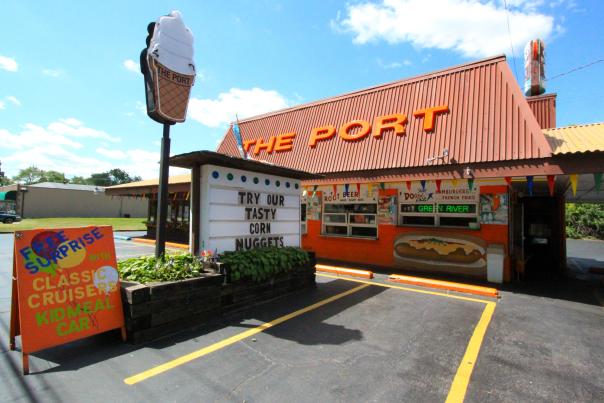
[(489, 120), (544, 108), (576, 139)]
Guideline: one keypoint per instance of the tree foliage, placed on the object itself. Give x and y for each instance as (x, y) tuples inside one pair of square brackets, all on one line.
[(585, 220), (32, 175)]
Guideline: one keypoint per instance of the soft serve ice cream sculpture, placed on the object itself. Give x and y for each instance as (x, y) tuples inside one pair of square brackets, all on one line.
[(170, 69)]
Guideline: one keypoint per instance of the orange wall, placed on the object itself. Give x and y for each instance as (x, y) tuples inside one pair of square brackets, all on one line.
[(379, 251)]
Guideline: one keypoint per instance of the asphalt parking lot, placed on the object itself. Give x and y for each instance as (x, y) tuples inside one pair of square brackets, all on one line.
[(341, 341)]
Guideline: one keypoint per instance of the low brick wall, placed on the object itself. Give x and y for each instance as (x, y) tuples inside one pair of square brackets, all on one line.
[(155, 310)]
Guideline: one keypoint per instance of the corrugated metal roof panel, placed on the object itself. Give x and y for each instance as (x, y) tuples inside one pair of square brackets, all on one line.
[(576, 139), (488, 120), (544, 108)]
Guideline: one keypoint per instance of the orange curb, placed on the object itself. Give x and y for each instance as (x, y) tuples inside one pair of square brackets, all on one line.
[(446, 285), (344, 271), (169, 244)]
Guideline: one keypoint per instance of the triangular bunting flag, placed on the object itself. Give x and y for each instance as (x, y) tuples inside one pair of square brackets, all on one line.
[(423, 184), (454, 182), (437, 182), (369, 189), (408, 183), (551, 182), (471, 184), (529, 185), (359, 188), (335, 188), (598, 182), (508, 180), (382, 185), (573, 183), (346, 186)]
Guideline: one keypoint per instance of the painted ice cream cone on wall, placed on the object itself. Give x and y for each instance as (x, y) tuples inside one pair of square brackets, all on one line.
[(170, 70)]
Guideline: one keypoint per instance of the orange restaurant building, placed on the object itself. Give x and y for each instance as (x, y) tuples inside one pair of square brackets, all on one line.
[(454, 171)]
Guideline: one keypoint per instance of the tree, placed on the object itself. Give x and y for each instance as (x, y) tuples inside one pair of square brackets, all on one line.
[(80, 180), (112, 177), (54, 176), (5, 181), (29, 176)]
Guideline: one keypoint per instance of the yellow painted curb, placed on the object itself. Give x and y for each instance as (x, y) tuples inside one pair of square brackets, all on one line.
[(169, 244), (446, 285), (344, 271)]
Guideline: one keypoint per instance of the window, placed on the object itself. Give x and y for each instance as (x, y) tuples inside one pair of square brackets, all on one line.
[(439, 214), (350, 219)]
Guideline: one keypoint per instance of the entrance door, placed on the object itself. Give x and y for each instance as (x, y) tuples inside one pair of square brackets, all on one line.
[(541, 237)]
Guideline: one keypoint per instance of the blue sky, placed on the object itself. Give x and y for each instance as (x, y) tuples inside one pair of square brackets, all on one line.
[(72, 99)]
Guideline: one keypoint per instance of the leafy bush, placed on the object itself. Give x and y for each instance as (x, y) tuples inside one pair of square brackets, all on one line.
[(585, 220), (258, 265), (147, 269)]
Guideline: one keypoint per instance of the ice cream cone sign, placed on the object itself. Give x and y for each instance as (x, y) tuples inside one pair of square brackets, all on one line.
[(169, 70)]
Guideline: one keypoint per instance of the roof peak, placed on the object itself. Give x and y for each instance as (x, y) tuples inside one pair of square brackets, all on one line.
[(447, 70)]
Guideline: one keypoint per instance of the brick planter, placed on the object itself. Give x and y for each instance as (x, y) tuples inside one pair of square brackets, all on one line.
[(155, 310)]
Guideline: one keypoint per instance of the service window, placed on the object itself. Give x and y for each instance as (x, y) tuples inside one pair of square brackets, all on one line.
[(350, 219), (457, 214), (417, 214)]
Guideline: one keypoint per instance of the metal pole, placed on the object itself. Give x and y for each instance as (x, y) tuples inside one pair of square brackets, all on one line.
[(162, 199)]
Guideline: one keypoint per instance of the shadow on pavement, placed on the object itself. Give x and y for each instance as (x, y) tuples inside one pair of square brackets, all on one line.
[(311, 329)]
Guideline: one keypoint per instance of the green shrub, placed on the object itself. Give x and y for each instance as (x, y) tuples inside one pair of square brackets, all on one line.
[(258, 265), (585, 220), (146, 269)]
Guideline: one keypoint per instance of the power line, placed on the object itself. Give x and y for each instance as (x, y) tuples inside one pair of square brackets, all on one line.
[(575, 69), (507, 18)]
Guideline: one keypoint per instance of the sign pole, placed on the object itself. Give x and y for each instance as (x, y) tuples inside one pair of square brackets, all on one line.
[(162, 199)]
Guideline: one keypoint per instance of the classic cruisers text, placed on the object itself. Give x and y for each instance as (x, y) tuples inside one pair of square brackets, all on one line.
[(260, 218)]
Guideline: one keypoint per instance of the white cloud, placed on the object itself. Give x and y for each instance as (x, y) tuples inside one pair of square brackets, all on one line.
[(52, 148), (472, 28), (8, 64), (2, 105), (244, 103), (131, 65), (74, 128), (54, 73), (393, 65), (14, 100)]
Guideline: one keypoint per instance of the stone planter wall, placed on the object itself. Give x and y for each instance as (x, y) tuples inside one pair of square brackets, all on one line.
[(155, 310)]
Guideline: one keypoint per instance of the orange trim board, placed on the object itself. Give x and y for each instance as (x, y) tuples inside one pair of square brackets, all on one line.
[(169, 244), (446, 285), (342, 271)]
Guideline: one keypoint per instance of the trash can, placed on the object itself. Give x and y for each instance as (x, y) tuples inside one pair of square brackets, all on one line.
[(495, 256)]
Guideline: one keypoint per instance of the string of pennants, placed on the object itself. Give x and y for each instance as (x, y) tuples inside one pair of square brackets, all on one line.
[(530, 183)]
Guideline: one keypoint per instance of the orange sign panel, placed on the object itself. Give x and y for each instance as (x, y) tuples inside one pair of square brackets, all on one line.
[(67, 286)]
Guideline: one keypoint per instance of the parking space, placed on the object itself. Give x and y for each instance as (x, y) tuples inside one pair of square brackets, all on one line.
[(345, 340)]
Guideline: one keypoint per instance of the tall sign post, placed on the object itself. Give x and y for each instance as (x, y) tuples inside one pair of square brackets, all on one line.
[(169, 70)]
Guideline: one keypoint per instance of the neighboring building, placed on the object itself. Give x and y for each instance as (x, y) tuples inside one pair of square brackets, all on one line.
[(178, 208), (48, 199), (454, 171)]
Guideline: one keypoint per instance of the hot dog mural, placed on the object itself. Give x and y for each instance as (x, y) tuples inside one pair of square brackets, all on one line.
[(443, 252)]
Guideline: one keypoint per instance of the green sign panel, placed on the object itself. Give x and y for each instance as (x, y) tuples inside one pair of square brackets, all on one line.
[(417, 208), (457, 208)]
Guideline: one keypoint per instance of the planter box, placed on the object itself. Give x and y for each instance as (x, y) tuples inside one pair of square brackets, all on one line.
[(155, 310), (159, 309)]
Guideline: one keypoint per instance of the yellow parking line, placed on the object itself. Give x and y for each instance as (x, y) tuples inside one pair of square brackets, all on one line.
[(459, 386), (398, 287), (234, 339)]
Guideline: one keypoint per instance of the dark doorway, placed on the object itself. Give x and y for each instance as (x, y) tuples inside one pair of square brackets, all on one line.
[(543, 237)]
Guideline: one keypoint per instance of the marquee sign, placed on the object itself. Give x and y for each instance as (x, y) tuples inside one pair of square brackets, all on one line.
[(245, 210), (351, 131)]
